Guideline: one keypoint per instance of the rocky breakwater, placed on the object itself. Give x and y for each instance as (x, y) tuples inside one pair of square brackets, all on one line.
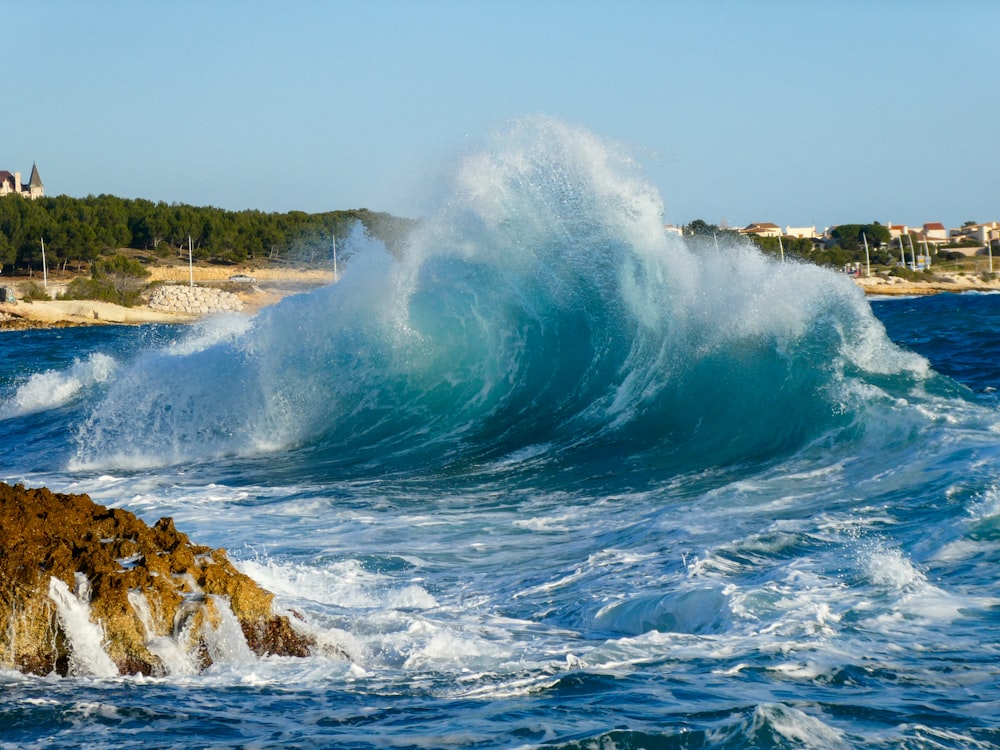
[(85, 589), (193, 300)]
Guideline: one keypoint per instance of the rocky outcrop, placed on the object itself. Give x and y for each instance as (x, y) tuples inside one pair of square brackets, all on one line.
[(85, 588), (15, 322), (9, 321), (193, 300)]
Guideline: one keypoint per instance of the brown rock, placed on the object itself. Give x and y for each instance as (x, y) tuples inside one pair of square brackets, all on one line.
[(144, 584)]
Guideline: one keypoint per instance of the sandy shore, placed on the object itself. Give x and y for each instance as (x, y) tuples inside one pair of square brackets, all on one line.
[(272, 285), (181, 274)]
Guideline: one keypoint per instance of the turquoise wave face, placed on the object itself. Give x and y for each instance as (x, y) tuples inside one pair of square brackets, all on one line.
[(543, 311)]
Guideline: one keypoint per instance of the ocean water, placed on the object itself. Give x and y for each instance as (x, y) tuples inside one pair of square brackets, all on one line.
[(553, 478)]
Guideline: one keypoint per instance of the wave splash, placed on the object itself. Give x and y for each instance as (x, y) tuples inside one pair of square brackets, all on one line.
[(543, 310), (54, 388)]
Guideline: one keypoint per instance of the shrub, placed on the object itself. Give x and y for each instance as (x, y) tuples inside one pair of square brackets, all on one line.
[(117, 279), (102, 290), (31, 292), (905, 273)]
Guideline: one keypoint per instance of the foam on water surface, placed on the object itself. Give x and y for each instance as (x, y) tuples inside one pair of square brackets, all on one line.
[(54, 388)]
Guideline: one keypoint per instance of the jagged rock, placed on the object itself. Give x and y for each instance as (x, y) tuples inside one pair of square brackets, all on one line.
[(143, 585)]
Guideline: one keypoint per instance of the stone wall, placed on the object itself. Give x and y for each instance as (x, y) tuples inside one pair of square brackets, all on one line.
[(193, 300)]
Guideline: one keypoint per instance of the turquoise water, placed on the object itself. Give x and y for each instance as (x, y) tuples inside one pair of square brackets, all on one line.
[(552, 479)]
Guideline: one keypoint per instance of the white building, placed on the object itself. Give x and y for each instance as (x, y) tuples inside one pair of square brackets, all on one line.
[(808, 233), (762, 229), (11, 184), (981, 233)]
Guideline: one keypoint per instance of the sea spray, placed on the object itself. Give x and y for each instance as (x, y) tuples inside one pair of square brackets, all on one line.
[(175, 653), (542, 305), (223, 635), (54, 388), (86, 638)]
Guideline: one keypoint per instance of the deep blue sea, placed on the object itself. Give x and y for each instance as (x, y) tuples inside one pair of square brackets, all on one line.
[(552, 478)]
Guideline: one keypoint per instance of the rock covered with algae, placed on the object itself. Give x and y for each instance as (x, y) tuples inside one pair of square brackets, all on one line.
[(138, 586)]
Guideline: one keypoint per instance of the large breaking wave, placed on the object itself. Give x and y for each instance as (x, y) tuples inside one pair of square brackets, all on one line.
[(541, 311)]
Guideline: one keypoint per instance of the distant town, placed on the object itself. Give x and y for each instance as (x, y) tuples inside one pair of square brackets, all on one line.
[(969, 239)]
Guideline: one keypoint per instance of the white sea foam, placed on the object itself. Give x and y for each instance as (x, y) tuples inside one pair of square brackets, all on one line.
[(556, 524), (912, 602), (796, 727), (86, 638), (224, 639), (442, 648), (890, 567), (53, 388), (380, 621), (175, 656), (344, 584), (94, 710), (987, 505)]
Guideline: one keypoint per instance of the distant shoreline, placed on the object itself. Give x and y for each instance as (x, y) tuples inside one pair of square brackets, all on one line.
[(273, 284), (942, 284), (270, 286)]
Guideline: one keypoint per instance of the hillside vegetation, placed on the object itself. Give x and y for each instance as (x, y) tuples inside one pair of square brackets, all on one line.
[(78, 231)]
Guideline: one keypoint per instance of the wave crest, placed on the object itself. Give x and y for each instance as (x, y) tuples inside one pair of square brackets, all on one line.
[(543, 304)]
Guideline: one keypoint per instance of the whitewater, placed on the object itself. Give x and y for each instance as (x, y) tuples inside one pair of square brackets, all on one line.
[(551, 477)]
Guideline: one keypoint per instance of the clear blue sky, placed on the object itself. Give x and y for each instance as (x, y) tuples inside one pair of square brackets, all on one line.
[(793, 112)]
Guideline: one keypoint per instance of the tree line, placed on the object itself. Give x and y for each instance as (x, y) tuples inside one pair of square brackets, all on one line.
[(78, 231)]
